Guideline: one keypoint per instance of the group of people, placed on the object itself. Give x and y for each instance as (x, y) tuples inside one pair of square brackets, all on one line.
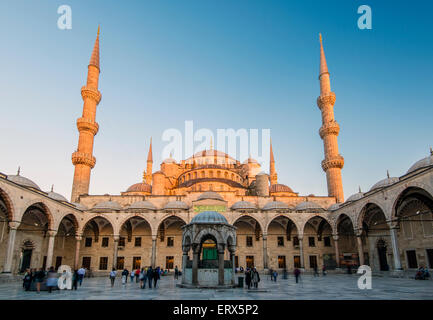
[(147, 275), (252, 278), (422, 274)]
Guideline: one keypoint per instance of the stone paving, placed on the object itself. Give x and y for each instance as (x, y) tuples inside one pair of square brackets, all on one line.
[(330, 287)]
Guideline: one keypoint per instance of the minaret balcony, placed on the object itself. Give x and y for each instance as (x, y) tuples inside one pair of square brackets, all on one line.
[(83, 158), (329, 128), (328, 100), (92, 93), (84, 124), (333, 162)]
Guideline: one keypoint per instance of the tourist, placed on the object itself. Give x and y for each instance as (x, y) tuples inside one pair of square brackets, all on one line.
[(27, 280), (125, 274), (39, 278), (297, 274), (156, 276), (248, 278), (275, 274), (81, 273), (75, 277), (143, 278), (150, 276), (255, 278), (349, 268), (137, 275), (316, 272), (176, 273), (113, 276), (51, 279), (132, 275), (324, 270)]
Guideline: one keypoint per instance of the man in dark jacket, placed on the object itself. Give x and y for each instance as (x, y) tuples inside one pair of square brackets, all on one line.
[(156, 276), (248, 278), (150, 276), (297, 273)]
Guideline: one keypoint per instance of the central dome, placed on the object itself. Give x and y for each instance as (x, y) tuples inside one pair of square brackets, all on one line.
[(210, 195), (209, 217)]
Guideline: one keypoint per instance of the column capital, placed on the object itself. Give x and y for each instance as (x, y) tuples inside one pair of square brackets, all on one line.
[(14, 225), (78, 237), (52, 233), (335, 237), (300, 236), (116, 237)]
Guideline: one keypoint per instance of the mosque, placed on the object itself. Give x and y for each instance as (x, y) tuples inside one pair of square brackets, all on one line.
[(389, 227)]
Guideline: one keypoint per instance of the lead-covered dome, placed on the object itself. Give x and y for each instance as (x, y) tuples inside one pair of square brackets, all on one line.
[(210, 195), (334, 207), (147, 205), (174, 205), (423, 163), (308, 205), (355, 197), (280, 188), (107, 205), (243, 205), (209, 217), (276, 205), (80, 206), (23, 181), (56, 196), (140, 187), (384, 183)]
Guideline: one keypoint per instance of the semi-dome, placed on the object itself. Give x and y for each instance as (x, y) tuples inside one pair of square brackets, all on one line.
[(423, 163), (243, 205), (334, 207), (140, 187), (142, 205), (23, 181), (80, 206), (275, 205), (384, 183), (209, 217), (308, 205), (280, 188), (355, 196), (210, 195), (107, 205), (56, 196), (172, 205)]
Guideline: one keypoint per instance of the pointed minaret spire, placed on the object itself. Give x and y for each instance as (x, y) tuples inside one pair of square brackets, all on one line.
[(272, 172), (431, 151), (359, 189), (333, 162), (387, 173), (148, 174), (52, 188), (18, 171), (94, 59), (211, 144)]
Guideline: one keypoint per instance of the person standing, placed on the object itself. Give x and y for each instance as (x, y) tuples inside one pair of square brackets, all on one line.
[(125, 274), (176, 273), (51, 279), (324, 270), (150, 276), (113, 276), (27, 280), (297, 274), (248, 278), (275, 275), (132, 275), (143, 278), (316, 272), (81, 273), (137, 275), (75, 277), (156, 276), (39, 277), (255, 277)]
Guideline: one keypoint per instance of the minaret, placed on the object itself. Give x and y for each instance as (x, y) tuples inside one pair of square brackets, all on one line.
[(272, 172), (333, 162), (83, 158), (148, 175)]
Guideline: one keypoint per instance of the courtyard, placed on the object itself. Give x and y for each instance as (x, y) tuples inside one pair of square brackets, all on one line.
[(330, 287)]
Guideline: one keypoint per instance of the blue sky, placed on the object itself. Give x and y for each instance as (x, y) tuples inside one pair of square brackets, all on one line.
[(222, 64)]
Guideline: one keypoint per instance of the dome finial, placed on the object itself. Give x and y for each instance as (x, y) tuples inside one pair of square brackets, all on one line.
[(52, 188), (211, 144), (360, 189), (431, 151), (18, 172), (387, 173), (171, 154)]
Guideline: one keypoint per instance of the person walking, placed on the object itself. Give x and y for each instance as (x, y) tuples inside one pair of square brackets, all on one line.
[(81, 273), (51, 279), (125, 274), (27, 280), (132, 275), (75, 277), (297, 274), (255, 277), (275, 273), (150, 276), (39, 278), (143, 278), (248, 278), (324, 270), (316, 272), (113, 274), (176, 273), (156, 276), (137, 275)]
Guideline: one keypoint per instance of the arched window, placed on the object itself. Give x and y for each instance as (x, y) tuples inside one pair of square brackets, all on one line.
[(210, 174)]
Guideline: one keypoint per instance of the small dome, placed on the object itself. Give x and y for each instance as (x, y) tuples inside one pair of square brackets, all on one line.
[(169, 160), (262, 173), (334, 207), (280, 188), (107, 205), (209, 217), (56, 196), (176, 205), (307, 205), (80, 206), (426, 162), (273, 205), (140, 187), (23, 181), (355, 197), (243, 205), (250, 160), (385, 183), (142, 205), (210, 195)]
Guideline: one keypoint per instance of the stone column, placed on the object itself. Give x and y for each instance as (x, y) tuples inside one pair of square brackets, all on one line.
[(78, 239), (395, 249), (232, 259), (195, 266), (184, 262), (360, 250), (50, 251), (337, 251), (301, 251), (265, 251), (153, 251), (13, 226), (220, 268), (116, 246)]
